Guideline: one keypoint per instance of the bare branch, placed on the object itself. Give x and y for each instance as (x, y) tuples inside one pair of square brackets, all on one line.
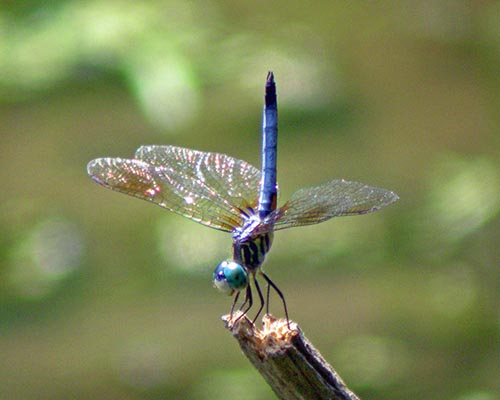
[(287, 360)]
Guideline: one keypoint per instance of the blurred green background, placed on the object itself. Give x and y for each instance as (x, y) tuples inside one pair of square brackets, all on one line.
[(106, 297)]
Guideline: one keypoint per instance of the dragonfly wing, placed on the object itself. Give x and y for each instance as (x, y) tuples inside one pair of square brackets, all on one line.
[(235, 181), (198, 187), (332, 199)]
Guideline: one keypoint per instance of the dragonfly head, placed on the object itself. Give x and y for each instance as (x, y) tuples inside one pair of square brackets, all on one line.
[(229, 276)]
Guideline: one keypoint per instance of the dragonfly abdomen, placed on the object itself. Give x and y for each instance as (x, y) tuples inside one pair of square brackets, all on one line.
[(251, 253)]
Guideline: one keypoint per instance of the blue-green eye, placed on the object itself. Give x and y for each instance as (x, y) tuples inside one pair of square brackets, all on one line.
[(229, 276)]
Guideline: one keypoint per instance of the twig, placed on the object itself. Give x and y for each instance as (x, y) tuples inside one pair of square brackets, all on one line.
[(287, 360)]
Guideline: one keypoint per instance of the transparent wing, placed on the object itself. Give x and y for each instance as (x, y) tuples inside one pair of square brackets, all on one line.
[(332, 199), (210, 188)]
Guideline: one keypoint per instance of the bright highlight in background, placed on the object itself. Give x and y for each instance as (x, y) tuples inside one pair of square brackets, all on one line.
[(50, 252)]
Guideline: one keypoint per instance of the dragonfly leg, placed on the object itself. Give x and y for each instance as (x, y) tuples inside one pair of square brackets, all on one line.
[(234, 304), (248, 298), (242, 306), (267, 297), (280, 294), (261, 297)]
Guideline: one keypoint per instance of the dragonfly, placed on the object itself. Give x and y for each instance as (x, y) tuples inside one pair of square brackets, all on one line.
[(231, 195)]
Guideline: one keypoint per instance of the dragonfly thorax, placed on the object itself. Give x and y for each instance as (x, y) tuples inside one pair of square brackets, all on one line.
[(251, 253), (251, 242), (248, 229)]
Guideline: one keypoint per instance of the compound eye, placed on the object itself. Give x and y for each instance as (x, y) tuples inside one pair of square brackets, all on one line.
[(229, 276)]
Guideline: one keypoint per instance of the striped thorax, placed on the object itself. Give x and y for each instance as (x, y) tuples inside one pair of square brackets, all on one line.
[(252, 252)]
